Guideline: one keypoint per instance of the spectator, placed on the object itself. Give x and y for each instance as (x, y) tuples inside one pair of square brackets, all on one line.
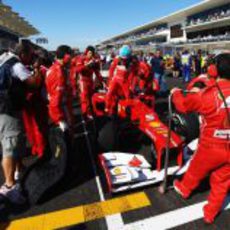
[(12, 65), (197, 63), (186, 60), (176, 65), (157, 64)]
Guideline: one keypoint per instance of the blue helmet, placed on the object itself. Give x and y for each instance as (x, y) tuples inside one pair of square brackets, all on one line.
[(125, 51)]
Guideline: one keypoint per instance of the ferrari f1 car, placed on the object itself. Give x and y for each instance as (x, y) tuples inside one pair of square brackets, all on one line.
[(133, 143)]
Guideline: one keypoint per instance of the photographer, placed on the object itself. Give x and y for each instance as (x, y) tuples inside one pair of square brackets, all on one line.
[(16, 80)]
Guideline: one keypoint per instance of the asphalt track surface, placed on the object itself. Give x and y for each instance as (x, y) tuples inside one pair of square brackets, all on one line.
[(143, 208)]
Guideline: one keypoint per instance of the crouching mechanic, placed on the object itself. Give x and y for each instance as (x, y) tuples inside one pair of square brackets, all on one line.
[(120, 73), (213, 152), (59, 90)]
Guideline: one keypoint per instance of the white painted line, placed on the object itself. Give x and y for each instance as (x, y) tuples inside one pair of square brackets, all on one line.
[(114, 222), (99, 187), (170, 219)]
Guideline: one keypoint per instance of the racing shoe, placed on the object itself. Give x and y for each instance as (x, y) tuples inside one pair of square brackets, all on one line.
[(13, 193), (209, 214), (181, 190)]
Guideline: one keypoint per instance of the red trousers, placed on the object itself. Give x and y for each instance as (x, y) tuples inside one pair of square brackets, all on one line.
[(117, 88), (220, 185), (86, 93), (215, 159), (35, 119)]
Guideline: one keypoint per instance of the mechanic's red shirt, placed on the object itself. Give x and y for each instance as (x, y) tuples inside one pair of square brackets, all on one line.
[(84, 71), (204, 79), (122, 71), (209, 104), (144, 70), (59, 93), (143, 78), (73, 74), (112, 68)]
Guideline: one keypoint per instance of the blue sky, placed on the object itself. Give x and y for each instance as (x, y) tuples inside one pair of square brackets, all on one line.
[(82, 22)]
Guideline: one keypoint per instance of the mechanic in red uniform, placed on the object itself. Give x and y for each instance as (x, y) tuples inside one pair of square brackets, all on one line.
[(213, 152), (73, 73), (204, 80), (87, 65), (36, 125), (59, 90), (121, 73), (143, 85)]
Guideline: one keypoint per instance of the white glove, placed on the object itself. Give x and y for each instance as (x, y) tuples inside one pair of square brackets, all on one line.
[(63, 126), (104, 86), (174, 90)]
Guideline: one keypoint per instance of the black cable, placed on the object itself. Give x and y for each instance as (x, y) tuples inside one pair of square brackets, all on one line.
[(163, 186), (226, 107)]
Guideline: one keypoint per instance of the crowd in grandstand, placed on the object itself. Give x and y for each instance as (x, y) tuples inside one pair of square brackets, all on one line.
[(213, 15), (210, 38), (198, 39), (149, 33), (209, 16)]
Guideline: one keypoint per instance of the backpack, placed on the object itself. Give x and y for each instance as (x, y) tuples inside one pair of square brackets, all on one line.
[(12, 92)]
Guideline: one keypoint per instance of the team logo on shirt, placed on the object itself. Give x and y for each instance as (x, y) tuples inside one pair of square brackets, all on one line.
[(222, 133)]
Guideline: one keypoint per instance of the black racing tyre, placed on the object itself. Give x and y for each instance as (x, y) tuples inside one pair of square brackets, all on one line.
[(111, 135), (122, 136), (186, 125), (148, 151), (107, 137)]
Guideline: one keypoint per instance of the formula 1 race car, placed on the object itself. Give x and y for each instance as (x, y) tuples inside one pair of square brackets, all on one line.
[(133, 143)]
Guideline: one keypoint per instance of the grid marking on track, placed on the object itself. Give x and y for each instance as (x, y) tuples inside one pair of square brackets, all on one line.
[(80, 214)]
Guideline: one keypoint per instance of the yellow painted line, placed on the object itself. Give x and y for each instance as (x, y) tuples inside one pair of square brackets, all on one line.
[(81, 214)]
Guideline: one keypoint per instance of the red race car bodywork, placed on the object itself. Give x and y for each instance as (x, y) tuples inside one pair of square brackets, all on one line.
[(146, 120)]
